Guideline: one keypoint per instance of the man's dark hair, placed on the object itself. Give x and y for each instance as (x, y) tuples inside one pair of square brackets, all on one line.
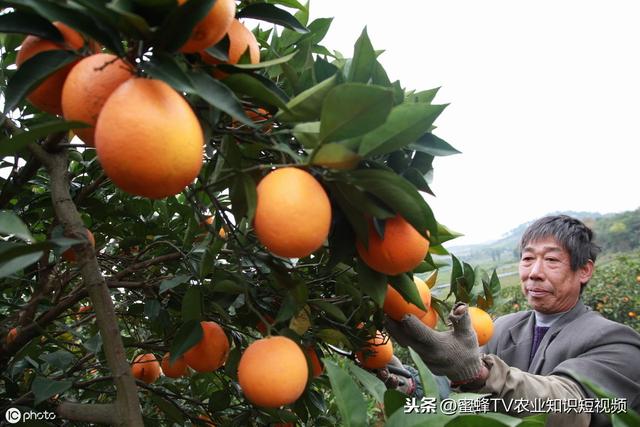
[(571, 233)]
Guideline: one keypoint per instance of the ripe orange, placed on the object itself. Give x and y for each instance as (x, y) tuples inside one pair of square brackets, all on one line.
[(148, 140), (176, 369), (395, 306), (632, 314), (430, 319), (146, 368), (11, 335), (212, 350), (70, 254), (482, 324), (48, 94), (212, 28), (401, 250), (377, 353), (240, 39), (314, 362), (272, 372), (293, 213), (87, 87)]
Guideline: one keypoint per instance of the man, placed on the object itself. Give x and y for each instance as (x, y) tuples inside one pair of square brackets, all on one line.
[(544, 352)]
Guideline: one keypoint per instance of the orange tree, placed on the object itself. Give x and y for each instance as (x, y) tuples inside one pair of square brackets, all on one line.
[(195, 256)]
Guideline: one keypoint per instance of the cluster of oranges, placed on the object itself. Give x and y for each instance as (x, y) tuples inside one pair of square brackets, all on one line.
[(148, 139)]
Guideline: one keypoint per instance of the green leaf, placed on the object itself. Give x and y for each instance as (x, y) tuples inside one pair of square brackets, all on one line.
[(270, 13), (364, 58), (400, 419), (429, 384), (405, 124), (218, 95), (250, 194), (331, 309), (353, 109), (426, 96), (93, 344), (18, 142), (333, 337), (229, 287), (265, 64), (14, 257), (307, 106), (253, 87), (336, 156), (371, 383), (164, 67), (398, 193), (348, 398), (371, 282), (177, 28), (33, 72), (408, 289), (189, 334), (431, 144), (192, 304), (10, 223), (152, 308), (172, 283), (394, 400), (168, 408), (44, 388), (130, 24), (20, 22), (308, 134), (60, 359)]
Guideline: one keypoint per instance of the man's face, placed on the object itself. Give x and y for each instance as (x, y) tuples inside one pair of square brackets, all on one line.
[(547, 280)]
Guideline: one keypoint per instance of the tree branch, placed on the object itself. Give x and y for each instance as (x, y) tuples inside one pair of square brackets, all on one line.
[(93, 413)]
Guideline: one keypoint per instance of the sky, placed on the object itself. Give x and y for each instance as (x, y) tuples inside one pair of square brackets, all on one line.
[(544, 101)]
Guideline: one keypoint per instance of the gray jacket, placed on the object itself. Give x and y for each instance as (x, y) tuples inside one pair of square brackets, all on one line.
[(581, 342)]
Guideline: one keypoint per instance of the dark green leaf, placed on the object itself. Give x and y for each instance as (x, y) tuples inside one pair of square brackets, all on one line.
[(371, 383), (270, 13), (307, 106), (348, 398), (331, 309), (168, 408), (364, 58), (164, 67), (14, 257), (28, 23), (218, 95), (429, 384), (405, 124), (265, 64), (189, 334), (308, 134), (10, 223), (394, 400), (353, 214), (177, 28), (229, 287), (371, 282), (127, 22), (44, 388), (60, 359), (431, 144), (33, 72), (172, 283), (333, 337), (152, 308), (247, 84), (353, 109), (408, 289), (192, 304), (16, 143), (93, 344), (398, 193)]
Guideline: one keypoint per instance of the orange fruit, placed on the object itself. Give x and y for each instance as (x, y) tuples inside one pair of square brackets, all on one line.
[(212, 350), (146, 368), (401, 249), (272, 372), (240, 39), (395, 306), (293, 213), (47, 96), (87, 87), (176, 369), (148, 140), (212, 28), (314, 362), (377, 353), (482, 324), (11, 335), (632, 314), (70, 254), (430, 319)]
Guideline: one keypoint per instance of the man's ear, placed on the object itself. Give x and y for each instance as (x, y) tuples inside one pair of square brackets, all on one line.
[(586, 271)]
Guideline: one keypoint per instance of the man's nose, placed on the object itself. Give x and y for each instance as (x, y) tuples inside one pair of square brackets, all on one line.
[(537, 270)]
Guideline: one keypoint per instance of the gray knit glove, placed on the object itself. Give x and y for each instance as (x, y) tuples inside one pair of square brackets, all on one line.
[(453, 353)]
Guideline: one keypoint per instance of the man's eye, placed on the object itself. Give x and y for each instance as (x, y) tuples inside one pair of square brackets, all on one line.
[(527, 258), (552, 260)]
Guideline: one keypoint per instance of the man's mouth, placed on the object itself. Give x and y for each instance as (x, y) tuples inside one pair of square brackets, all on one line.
[(537, 292)]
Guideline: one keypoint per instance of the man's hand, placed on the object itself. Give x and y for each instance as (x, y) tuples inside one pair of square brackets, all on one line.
[(395, 376), (453, 353)]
